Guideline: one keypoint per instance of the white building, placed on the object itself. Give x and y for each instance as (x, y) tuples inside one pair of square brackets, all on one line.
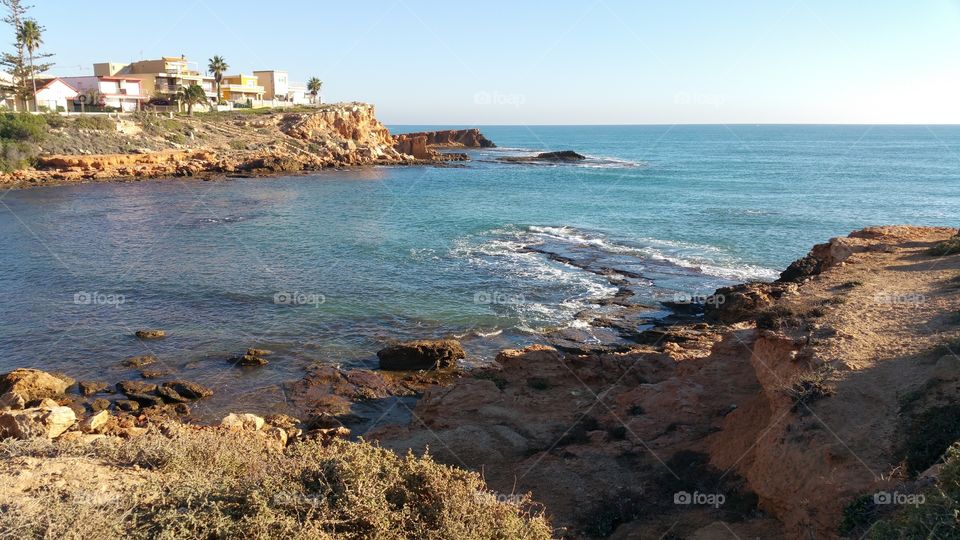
[(277, 86), (55, 95), (122, 93)]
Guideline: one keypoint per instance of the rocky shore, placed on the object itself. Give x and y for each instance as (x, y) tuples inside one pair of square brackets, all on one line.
[(780, 411), (219, 145)]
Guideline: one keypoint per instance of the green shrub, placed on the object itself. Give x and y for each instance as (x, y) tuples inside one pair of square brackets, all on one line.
[(23, 127), (97, 123), (55, 120), (934, 517), (929, 435), (176, 138), (948, 247), (237, 144), (212, 484), (16, 155)]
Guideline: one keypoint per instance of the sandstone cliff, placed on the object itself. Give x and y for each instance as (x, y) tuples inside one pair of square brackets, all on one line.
[(337, 135), (420, 144)]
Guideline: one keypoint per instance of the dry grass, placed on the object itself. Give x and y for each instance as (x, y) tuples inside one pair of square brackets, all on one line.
[(209, 484)]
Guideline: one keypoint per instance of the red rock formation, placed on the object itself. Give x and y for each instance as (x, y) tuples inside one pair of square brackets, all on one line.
[(450, 138)]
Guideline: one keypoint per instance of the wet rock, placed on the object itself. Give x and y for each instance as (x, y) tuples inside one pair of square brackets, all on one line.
[(47, 422), (136, 387), (140, 361), (170, 395), (89, 388), (246, 421), (146, 400), (126, 405), (99, 404), (21, 386), (421, 354), (259, 352), (153, 373), (150, 334), (189, 390)]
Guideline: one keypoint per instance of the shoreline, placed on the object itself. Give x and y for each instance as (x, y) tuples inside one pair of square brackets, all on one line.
[(730, 402), (251, 145)]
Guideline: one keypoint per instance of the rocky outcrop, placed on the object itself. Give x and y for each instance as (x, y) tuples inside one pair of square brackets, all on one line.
[(448, 138), (21, 386), (422, 354), (562, 156)]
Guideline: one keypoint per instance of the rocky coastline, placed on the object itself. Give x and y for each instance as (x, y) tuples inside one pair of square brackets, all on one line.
[(786, 402), (236, 145)]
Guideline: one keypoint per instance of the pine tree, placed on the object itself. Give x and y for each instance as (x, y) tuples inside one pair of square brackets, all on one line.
[(22, 64)]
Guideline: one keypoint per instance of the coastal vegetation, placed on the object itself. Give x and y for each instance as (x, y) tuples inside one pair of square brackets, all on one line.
[(22, 63), (218, 66), (313, 489)]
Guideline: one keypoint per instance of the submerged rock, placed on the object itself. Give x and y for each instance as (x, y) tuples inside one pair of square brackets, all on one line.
[(189, 390), (421, 354), (150, 334), (89, 388), (140, 361), (562, 156)]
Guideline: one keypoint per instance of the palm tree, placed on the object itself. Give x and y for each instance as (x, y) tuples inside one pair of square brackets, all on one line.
[(190, 96), (30, 35), (218, 66), (314, 85)]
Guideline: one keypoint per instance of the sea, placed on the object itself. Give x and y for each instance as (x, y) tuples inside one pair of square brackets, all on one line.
[(332, 266)]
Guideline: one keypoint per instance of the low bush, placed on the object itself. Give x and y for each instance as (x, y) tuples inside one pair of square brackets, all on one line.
[(96, 123), (23, 127), (948, 247), (211, 484)]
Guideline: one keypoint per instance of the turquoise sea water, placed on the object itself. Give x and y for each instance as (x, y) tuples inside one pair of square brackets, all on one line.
[(329, 267)]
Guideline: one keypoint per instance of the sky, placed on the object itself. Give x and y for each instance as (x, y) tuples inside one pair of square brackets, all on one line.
[(562, 62)]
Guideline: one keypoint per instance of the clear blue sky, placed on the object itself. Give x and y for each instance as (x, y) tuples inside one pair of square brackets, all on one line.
[(562, 62)]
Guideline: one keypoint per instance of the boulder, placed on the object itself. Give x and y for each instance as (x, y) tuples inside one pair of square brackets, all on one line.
[(246, 421), (127, 405), (49, 422), (89, 388), (21, 386), (136, 387), (421, 354), (150, 334), (95, 422), (153, 373), (189, 390)]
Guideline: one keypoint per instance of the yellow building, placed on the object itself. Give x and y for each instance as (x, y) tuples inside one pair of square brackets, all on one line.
[(162, 77), (240, 88)]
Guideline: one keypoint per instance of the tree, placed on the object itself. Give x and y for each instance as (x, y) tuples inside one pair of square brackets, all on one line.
[(217, 66), (31, 35), (27, 32), (190, 96), (314, 85)]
